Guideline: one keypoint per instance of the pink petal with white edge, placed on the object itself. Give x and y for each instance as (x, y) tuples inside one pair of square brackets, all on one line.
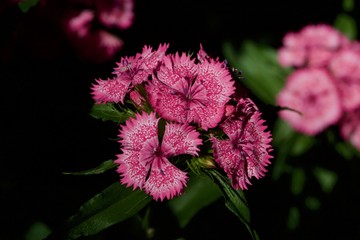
[(180, 139), (165, 180), (132, 169), (110, 90), (230, 161), (138, 131)]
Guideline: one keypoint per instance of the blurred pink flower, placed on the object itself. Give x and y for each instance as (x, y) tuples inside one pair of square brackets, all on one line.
[(246, 152), (345, 66), (116, 13), (350, 127), (185, 91), (144, 161), (88, 28), (311, 92), (129, 72), (312, 46)]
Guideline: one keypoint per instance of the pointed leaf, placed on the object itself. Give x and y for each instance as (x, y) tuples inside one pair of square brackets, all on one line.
[(109, 164), (262, 73), (108, 111), (115, 204), (346, 25), (234, 200), (199, 193)]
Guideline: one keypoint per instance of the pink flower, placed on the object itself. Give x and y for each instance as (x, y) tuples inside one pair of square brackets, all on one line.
[(80, 24), (129, 72), (116, 13), (144, 162), (140, 67), (245, 153), (95, 42), (111, 90), (185, 91), (350, 127), (313, 94), (345, 66), (313, 46)]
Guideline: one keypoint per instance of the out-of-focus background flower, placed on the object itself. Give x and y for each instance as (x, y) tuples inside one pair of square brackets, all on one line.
[(51, 53)]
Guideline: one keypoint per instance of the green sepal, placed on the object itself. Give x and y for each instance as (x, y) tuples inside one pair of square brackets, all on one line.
[(103, 167), (108, 112), (113, 205)]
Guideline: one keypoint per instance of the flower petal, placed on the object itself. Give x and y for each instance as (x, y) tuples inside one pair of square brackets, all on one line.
[(165, 180), (180, 139)]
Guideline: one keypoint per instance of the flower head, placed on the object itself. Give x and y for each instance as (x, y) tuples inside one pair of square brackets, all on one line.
[(144, 162), (129, 72), (246, 152), (312, 46), (312, 94), (185, 91)]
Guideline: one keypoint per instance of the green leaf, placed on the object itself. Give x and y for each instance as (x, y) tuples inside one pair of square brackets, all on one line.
[(312, 203), (108, 111), (327, 179), (37, 231), (199, 193), (348, 5), (297, 181), (109, 164), (115, 204), (25, 5), (261, 70), (293, 218), (234, 200), (347, 25)]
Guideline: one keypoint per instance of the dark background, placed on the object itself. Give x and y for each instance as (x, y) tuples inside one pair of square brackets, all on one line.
[(46, 128)]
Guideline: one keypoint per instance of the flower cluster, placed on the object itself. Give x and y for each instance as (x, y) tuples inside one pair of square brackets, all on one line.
[(185, 108), (324, 86)]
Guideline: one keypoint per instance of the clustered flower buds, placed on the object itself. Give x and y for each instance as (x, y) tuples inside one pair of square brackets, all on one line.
[(186, 109), (324, 85)]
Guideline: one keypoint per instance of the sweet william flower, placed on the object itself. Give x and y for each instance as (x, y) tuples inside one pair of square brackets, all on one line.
[(312, 46), (144, 161), (246, 152), (311, 92), (185, 91), (129, 72)]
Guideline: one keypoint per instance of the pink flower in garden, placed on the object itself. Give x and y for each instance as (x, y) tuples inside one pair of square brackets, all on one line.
[(345, 66), (246, 152), (185, 91), (312, 93), (144, 161), (129, 72), (312, 46), (350, 127)]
